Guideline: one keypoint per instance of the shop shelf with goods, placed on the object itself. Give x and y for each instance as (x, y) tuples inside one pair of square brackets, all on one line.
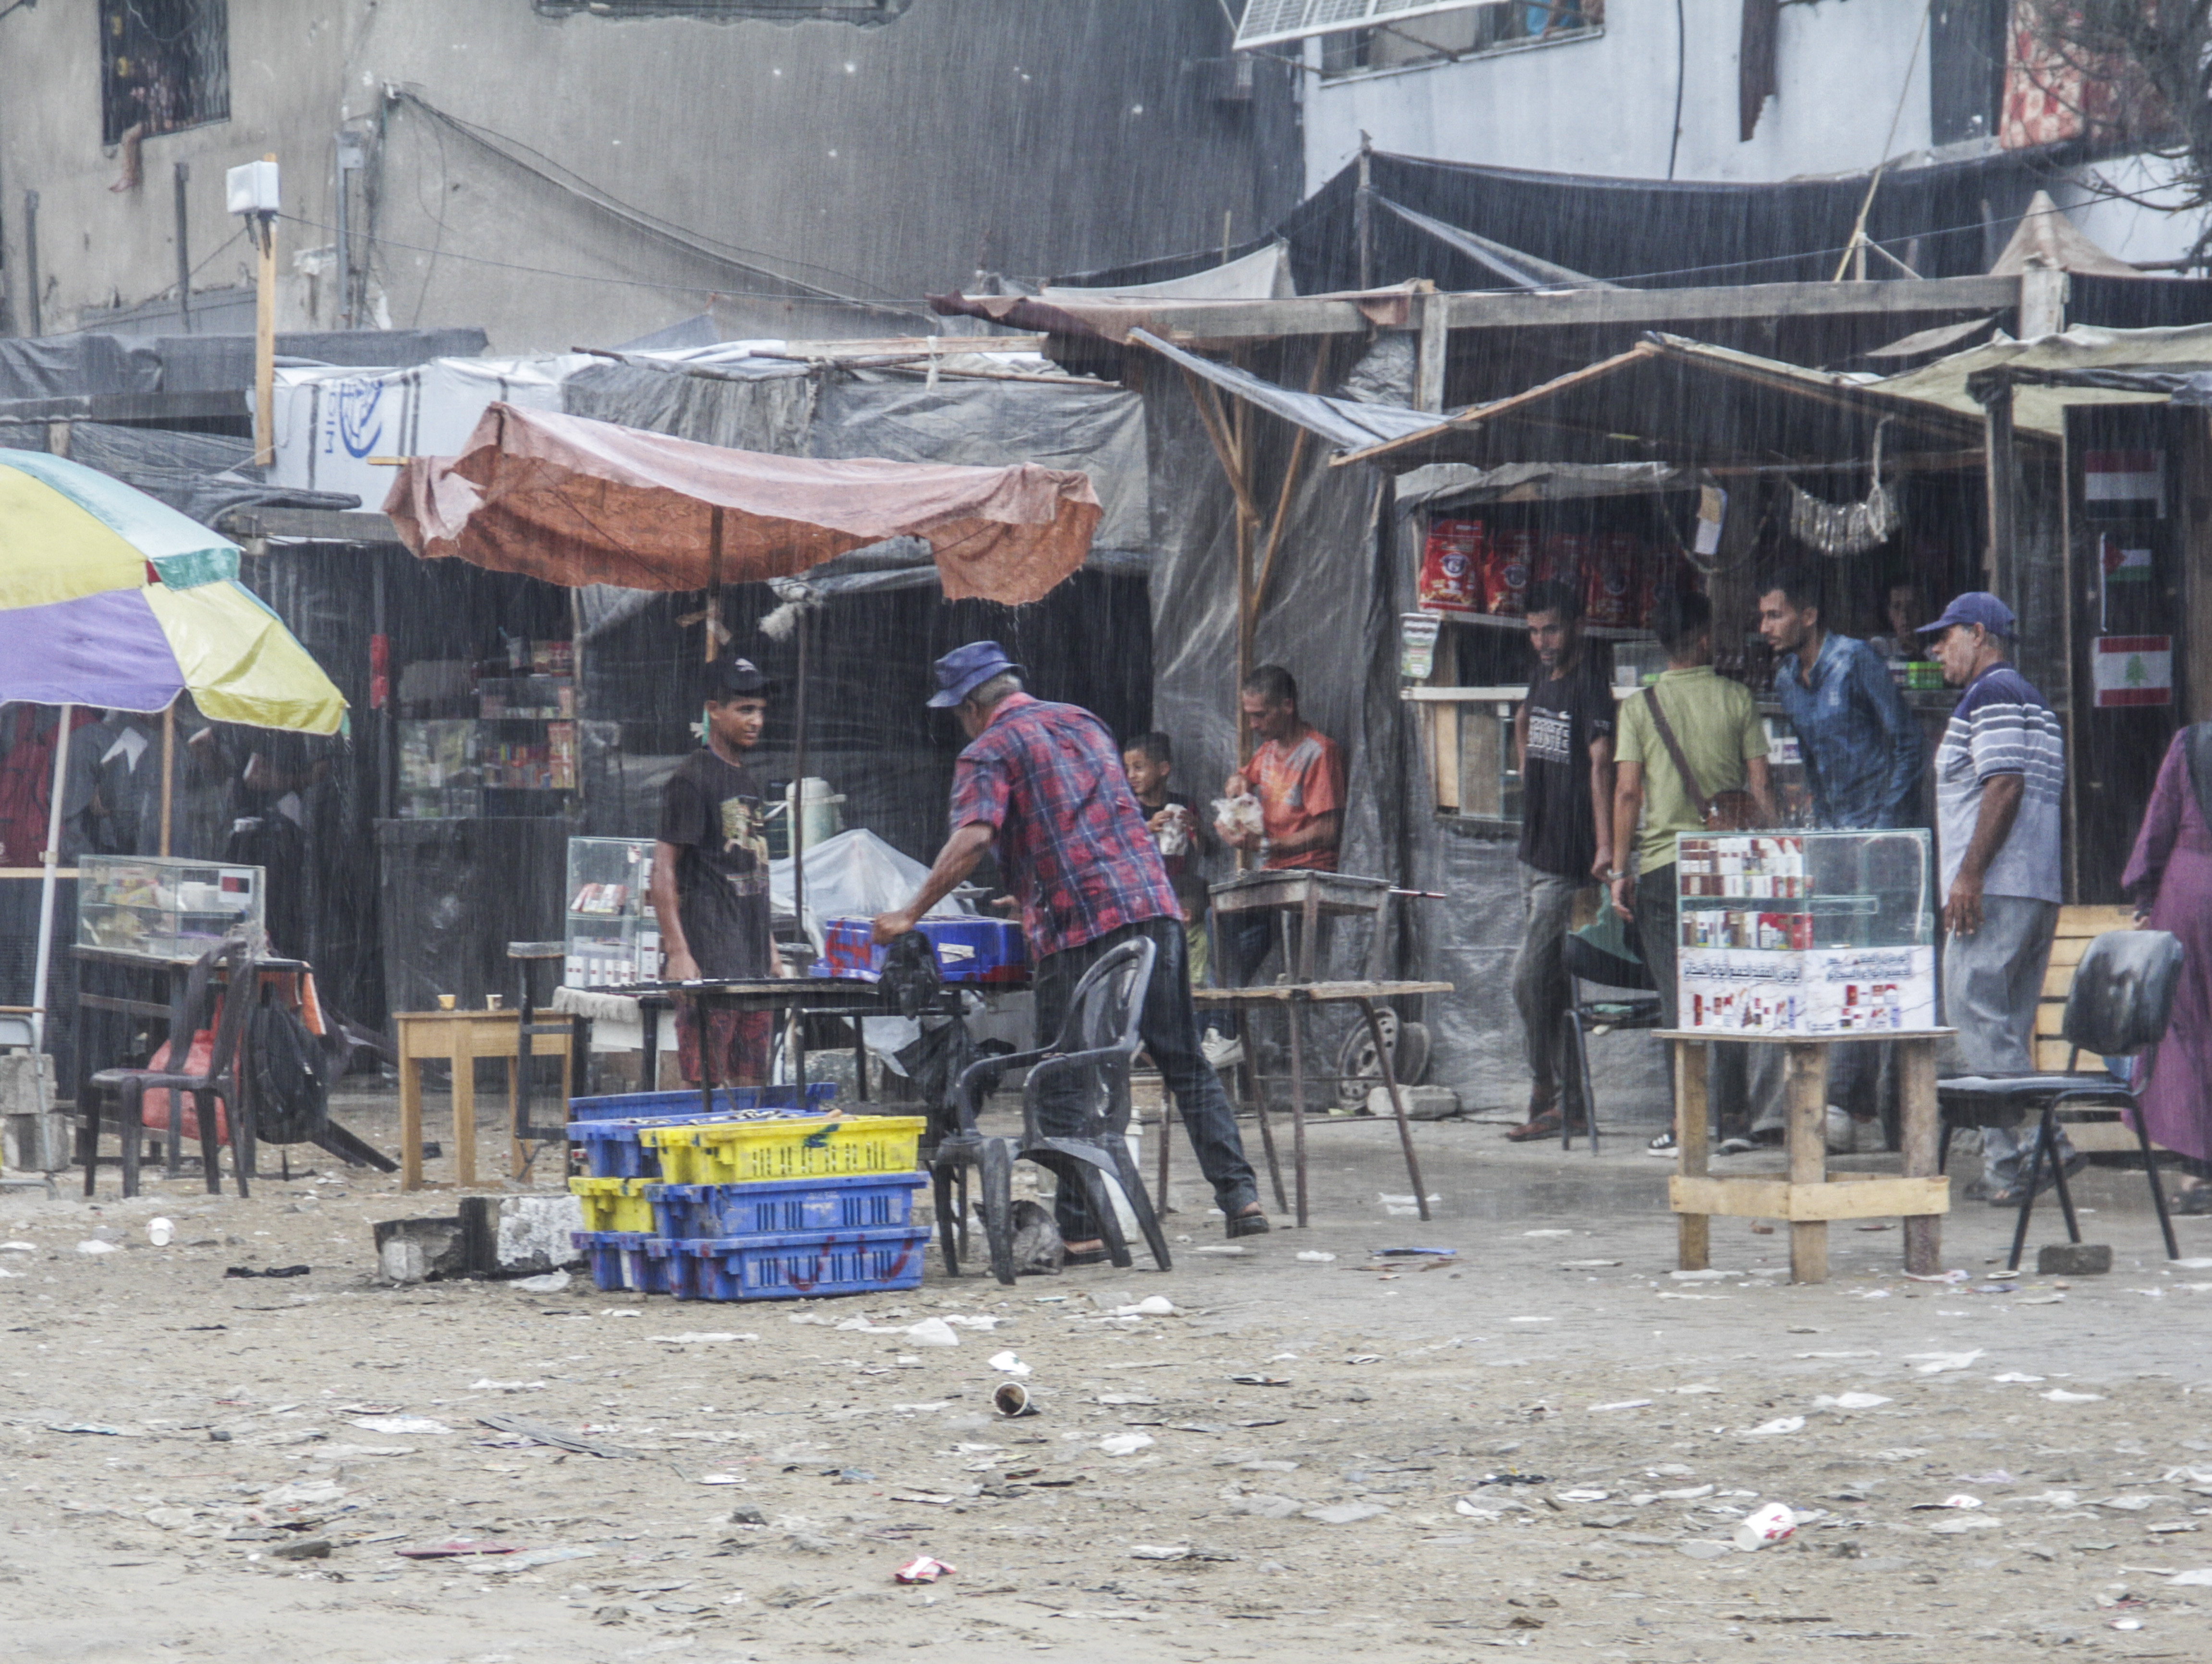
[(167, 910), (611, 936)]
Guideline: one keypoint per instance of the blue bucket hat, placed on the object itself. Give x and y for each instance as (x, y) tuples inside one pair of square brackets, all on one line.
[(963, 670), (1975, 606)]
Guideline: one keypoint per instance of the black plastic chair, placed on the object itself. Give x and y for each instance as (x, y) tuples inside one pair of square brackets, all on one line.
[(2119, 1005), (187, 1016), (1095, 1050), (1588, 962)]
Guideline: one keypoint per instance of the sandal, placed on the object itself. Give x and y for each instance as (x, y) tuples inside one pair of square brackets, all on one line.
[(2196, 1199), (1544, 1125), (1098, 1256), (1254, 1223)]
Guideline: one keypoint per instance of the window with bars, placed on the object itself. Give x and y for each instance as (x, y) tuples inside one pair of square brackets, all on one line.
[(1465, 31), (163, 64)]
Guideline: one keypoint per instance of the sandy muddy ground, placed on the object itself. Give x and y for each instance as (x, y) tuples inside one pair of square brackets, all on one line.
[(166, 1433)]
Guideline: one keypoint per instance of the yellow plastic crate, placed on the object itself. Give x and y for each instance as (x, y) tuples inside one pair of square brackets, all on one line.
[(743, 1152), (614, 1204)]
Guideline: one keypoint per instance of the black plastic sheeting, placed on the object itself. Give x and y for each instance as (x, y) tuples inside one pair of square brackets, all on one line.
[(1655, 234), (201, 474), (95, 363)]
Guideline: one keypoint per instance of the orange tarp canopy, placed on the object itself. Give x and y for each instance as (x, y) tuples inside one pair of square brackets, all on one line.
[(576, 501)]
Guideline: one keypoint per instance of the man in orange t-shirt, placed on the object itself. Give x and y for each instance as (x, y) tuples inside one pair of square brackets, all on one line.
[(1298, 774)]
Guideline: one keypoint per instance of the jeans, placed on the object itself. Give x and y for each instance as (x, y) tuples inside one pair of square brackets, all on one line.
[(1658, 939), (1168, 1027), (1540, 988), (1992, 982)]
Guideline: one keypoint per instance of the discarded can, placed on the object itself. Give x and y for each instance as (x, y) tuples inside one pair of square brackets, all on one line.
[(1774, 1523), (922, 1570), (1012, 1398)]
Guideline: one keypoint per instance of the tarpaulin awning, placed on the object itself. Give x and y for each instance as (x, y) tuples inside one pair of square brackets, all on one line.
[(1680, 401), (575, 502), (1346, 423), (1063, 312), (2040, 410)]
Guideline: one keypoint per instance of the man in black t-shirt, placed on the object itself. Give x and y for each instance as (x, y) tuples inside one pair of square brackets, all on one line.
[(710, 876), (1562, 735)]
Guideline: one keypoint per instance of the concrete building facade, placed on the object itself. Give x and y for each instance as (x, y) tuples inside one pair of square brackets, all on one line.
[(590, 174)]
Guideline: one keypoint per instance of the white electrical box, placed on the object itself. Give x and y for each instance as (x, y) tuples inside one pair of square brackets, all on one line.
[(252, 188)]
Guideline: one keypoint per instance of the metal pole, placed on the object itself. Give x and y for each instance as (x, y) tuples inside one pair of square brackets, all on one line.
[(345, 266), (168, 772), (31, 260), (184, 260), (799, 845), (49, 858)]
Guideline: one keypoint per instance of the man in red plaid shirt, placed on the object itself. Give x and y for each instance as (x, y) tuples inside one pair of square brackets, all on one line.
[(1042, 783)]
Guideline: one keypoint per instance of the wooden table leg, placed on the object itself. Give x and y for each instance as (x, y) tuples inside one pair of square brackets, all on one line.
[(464, 1104), (1920, 1122), (1397, 1105), (1167, 1118), (1693, 1150), (1293, 1010), (410, 1112), (1805, 1091), (1258, 1100), (1309, 928), (517, 1067)]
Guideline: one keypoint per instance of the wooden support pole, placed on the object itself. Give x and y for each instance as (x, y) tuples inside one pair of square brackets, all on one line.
[(264, 339), (1805, 1092), (2004, 480), (1692, 1149), (1921, 1138)]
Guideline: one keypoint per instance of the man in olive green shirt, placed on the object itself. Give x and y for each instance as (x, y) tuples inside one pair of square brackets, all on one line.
[(1716, 723)]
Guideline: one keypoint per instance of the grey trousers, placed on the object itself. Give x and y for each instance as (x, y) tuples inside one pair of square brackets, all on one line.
[(1659, 940), (1541, 989), (1992, 981)]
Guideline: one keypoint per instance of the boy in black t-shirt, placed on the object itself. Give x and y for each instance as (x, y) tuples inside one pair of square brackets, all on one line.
[(1148, 761), (710, 874), (1563, 734)]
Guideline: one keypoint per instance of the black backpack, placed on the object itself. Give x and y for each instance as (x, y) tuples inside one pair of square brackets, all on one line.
[(291, 1096)]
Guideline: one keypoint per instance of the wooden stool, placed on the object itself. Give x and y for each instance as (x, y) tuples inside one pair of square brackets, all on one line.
[(459, 1038), (1808, 1198)]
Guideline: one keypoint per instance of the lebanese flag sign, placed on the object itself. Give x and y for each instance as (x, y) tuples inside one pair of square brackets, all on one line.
[(2125, 484), (2132, 669)]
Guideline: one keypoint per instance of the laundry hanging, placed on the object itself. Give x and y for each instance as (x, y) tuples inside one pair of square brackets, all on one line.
[(1838, 529)]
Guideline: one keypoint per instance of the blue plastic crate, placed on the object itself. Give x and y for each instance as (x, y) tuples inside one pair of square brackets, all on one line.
[(860, 1201), (612, 1148), (620, 1260), (794, 1264), (728, 1099)]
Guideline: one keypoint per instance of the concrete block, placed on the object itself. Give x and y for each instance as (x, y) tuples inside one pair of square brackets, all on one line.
[(418, 1250), (2073, 1260), (532, 1234), (1422, 1102)]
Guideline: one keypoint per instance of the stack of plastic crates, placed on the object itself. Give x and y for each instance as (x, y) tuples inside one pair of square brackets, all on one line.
[(759, 1200)]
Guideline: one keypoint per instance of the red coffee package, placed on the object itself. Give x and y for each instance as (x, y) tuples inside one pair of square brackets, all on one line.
[(1451, 556), (1613, 582), (1509, 560), (1561, 559)]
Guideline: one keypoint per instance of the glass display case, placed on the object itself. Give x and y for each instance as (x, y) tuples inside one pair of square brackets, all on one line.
[(169, 910), (1807, 933), (611, 936)]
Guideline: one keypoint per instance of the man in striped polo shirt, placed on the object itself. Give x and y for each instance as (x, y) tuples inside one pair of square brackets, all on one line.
[(1999, 772)]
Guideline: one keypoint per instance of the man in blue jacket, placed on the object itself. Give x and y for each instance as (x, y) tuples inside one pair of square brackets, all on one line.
[(1862, 757)]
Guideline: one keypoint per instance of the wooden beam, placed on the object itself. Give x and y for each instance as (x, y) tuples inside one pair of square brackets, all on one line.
[(318, 524), (1876, 1196), (156, 409), (1660, 309)]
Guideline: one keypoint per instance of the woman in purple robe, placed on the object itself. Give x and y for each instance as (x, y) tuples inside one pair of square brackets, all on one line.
[(2170, 877)]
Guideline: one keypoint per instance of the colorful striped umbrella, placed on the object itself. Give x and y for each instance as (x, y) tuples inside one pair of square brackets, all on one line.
[(109, 598)]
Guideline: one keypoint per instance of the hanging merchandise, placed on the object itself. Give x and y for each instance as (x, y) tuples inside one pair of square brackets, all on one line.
[(1712, 516), (1849, 528), (1612, 579), (1509, 559), (1417, 645)]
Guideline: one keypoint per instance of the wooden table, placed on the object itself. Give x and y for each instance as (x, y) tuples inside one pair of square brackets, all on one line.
[(1304, 893), (1808, 1198), (460, 1037), (1295, 998)]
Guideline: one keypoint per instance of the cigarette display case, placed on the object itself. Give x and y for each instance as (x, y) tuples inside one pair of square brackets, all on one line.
[(612, 936), (169, 910), (1813, 933)]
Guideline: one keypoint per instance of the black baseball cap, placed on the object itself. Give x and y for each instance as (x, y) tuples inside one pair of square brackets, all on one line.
[(735, 679)]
